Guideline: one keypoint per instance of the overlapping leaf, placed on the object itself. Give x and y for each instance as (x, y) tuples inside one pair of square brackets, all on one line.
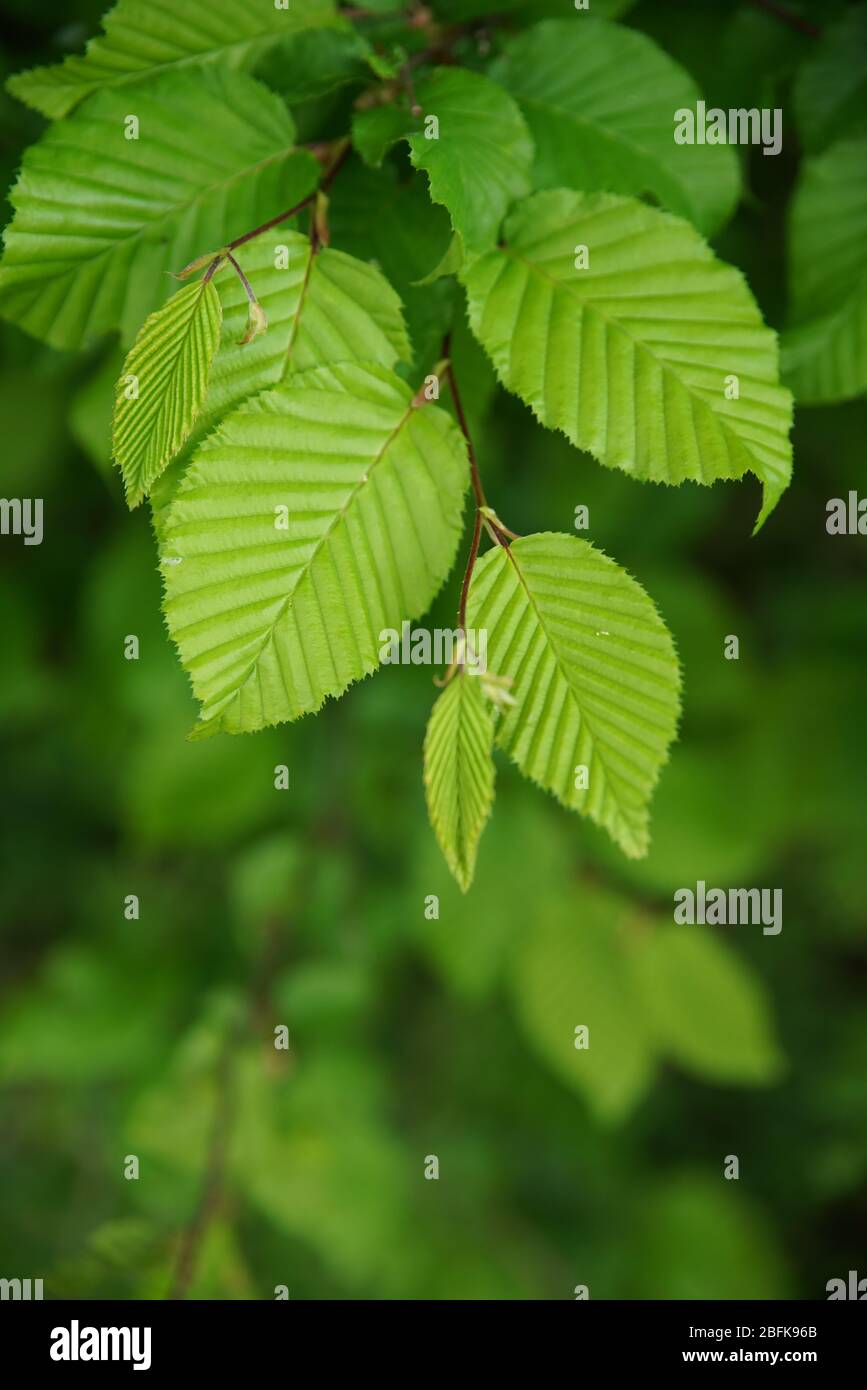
[(317, 516), (600, 101), (163, 385), (477, 164), (145, 38), (595, 677), (321, 307), (634, 356), (213, 159), (459, 772), (824, 352)]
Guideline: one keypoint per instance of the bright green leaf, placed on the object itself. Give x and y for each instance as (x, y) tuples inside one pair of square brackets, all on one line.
[(595, 677), (600, 101), (459, 772), (633, 356), (145, 38), (824, 352), (321, 307), (163, 385), (705, 1008), (214, 158), (315, 517)]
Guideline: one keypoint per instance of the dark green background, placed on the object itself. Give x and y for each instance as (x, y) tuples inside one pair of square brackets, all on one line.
[(306, 906)]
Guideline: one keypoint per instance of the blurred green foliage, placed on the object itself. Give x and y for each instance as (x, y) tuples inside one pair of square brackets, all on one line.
[(411, 1035)]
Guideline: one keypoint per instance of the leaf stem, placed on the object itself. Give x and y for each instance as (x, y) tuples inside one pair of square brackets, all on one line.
[(324, 183), (485, 516), (248, 288)]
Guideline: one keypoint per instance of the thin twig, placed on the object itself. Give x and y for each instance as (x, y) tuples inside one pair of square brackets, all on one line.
[(478, 490), (782, 12), (212, 1188), (324, 183), (468, 572), (211, 1198)]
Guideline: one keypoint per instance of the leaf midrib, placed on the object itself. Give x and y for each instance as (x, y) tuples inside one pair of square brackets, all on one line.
[(584, 717), (302, 573), (757, 466)]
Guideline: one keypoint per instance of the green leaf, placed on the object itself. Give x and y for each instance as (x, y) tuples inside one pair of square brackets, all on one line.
[(163, 385), (527, 10), (824, 352), (459, 772), (706, 1010), (376, 129), (695, 1237), (321, 307), (450, 263), (315, 62), (315, 517), (145, 38), (830, 92), (594, 671), (214, 158), (600, 101), (380, 217), (478, 162), (571, 972), (631, 356)]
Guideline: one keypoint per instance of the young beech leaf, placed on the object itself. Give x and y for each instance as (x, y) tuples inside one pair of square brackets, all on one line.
[(599, 100), (324, 308), (824, 352), (316, 516), (459, 772), (470, 139), (163, 384), (213, 158), (618, 325), (595, 677), (144, 38)]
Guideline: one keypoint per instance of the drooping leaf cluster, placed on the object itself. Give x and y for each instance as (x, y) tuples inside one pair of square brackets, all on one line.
[(282, 409)]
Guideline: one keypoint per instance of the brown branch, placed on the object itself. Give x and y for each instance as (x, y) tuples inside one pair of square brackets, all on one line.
[(324, 184), (212, 1187), (468, 572), (483, 511), (211, 1198), (787, 16)]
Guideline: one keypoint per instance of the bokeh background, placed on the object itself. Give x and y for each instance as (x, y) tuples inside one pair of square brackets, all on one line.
[(412, 1037)]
